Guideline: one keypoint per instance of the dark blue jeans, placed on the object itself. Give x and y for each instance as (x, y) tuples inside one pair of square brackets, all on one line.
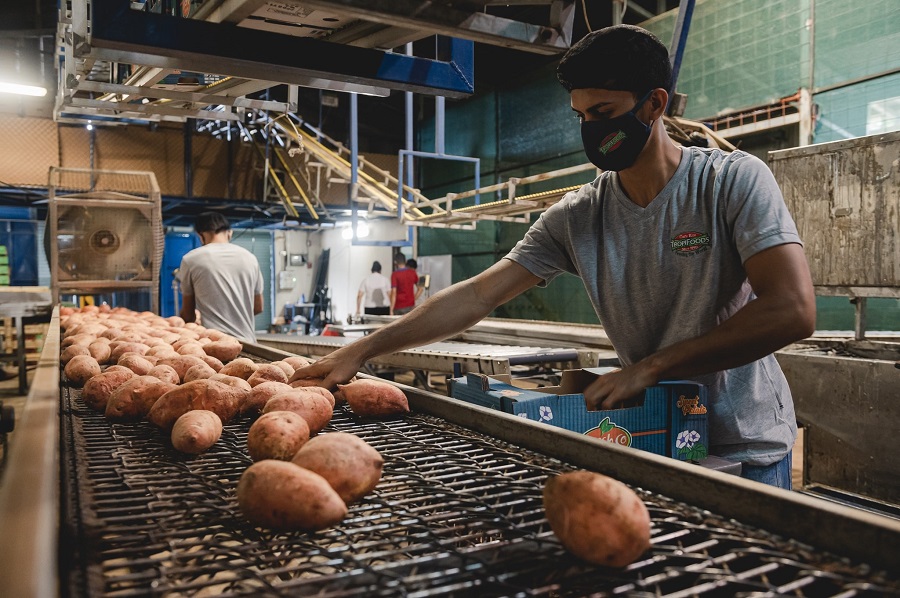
[(777, 474)]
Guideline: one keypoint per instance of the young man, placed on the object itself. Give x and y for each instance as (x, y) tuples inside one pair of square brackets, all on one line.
[(376, 290), (404, 285), (220, 280), (689, 256)]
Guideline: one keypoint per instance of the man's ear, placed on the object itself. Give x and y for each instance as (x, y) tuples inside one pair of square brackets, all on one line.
[(658, 100)]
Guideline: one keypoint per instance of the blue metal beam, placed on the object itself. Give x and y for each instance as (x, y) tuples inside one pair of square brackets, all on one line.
[(679, 39), (121, 34)]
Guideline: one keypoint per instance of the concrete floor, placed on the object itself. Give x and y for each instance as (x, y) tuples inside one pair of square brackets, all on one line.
[(9, 395)]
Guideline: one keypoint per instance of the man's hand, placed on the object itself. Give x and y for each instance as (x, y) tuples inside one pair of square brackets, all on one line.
[(336, 368), (615, 387)]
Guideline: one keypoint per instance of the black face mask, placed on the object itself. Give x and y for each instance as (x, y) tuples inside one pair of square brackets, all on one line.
[(615, 143)]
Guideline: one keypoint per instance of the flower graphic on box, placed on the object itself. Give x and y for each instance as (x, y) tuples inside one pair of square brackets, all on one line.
[(546, 413), (689, 447)]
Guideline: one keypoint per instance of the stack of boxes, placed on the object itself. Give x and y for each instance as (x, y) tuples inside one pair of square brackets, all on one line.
[(4, 266)]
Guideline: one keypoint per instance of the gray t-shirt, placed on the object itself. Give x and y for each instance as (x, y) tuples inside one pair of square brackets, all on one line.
[(223, 278), (673, 271)]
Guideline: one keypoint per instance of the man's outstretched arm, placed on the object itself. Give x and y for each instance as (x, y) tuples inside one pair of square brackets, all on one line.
[(444, 314)]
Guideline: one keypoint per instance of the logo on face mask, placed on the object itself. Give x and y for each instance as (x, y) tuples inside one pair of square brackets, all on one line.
[(615, 143), (612, 141)]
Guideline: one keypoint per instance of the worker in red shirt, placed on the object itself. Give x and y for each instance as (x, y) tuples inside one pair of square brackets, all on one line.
[(405, 287)]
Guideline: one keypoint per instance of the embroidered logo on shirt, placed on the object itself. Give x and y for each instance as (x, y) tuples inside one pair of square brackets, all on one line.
[(690, 243)]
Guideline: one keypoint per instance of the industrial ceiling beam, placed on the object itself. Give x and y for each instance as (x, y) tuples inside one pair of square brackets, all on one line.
[(186, 96), (446, 19), (124, 35)]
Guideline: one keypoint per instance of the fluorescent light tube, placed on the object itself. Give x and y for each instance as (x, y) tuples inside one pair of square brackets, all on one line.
[(25, 90)]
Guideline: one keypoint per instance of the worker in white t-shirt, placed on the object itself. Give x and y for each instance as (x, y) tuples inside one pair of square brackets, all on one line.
[(374, 293)]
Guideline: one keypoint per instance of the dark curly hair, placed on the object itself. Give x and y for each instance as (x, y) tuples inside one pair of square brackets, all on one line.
[(211, 222), (619, 58)]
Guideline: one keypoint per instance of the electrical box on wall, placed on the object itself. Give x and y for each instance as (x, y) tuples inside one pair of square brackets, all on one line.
[(297, 259), (286, 281)]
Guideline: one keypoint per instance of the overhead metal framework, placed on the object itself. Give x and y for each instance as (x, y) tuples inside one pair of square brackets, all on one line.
[(119, 62)]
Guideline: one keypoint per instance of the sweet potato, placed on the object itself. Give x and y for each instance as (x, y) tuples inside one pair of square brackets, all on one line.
[(240, 367), (312, 407), (166, 373), (267, 372), (234, 381), (126, 347), (277, 435), (257, 398), (132, 400), (297, 361), (136, 363), (221, 399), (175, 321), (298, 379), (181, 364), (374, 398), (212, 362), (162, 351), (224, 350), (198, 372), (98, 389), (285, 367), (196, 431), (80, 369), (100, 351), (192, 348), (73, 351), (597, 518), (279, 495), (319, 391), (117, 368), (348, 463)]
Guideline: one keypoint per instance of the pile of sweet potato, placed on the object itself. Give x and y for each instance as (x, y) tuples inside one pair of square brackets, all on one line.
[(189, 381)]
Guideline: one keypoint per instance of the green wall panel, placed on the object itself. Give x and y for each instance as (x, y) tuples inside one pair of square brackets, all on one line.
[(740, 53), (837, 313), (863, 109), (855, 38)]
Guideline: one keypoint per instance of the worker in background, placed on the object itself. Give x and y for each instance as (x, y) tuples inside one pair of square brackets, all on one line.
[(221, 280), (689, 255), (405, 287), (376, 290)]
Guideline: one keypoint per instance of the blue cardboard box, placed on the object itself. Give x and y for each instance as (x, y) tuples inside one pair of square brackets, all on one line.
[(669, 419)]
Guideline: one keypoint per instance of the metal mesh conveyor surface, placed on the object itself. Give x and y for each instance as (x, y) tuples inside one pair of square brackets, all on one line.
[(456, 513)]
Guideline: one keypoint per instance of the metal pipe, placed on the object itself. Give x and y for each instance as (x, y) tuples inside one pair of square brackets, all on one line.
[(439, 102), (679, 40), (354, 159)]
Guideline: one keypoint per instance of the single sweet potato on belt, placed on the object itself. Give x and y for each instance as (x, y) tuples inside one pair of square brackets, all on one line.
[(166, 373), (98, 389), (267, 372), (350, 465), (240, 367), (80, 369), (132, 400), (224, 350), (277, 435), (280, 495), (312, 407), (198, 372), (221, 399), (374, 398), (196, 431), (597, 518), (257, 398)]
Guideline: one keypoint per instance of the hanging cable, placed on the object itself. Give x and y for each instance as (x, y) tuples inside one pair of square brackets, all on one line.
[(584, 10)]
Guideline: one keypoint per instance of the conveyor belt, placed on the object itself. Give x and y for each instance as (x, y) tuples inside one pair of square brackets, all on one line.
[(456, 514), (442, 356)]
